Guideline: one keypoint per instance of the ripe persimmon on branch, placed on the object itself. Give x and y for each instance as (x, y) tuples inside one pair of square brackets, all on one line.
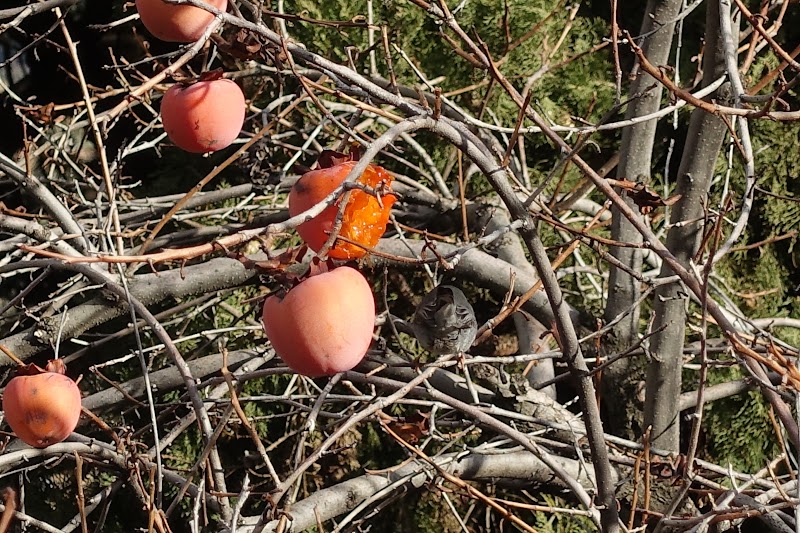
[(180, 202)]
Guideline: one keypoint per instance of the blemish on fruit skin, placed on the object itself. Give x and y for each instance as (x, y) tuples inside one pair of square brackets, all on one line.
[(37, 418), (300, 186), (206, 110), (209, 143)]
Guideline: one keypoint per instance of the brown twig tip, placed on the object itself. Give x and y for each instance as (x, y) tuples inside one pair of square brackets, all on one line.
[(11, 355)]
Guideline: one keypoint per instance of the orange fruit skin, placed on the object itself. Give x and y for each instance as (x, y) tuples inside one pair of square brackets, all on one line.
[(204, 117), (365, 217), (42, 409), (323, 325), (176, 23)]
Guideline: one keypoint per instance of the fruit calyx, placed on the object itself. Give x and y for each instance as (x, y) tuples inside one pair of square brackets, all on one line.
[(331, 158), (289, 281), (54, 366), (188, 81), (212, 75)]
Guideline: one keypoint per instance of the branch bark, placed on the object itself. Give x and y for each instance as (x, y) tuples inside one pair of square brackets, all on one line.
[(150, 289), (348, 495), (636, 154), (703, 143), (636, 160), (510, 249)]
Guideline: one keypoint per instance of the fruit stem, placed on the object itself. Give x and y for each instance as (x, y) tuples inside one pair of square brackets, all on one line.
[(57, 366)]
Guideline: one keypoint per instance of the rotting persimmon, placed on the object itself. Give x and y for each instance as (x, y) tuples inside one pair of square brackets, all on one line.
[(42, 406), (365, 215), (205, 116), (176, 23), (324, 324)]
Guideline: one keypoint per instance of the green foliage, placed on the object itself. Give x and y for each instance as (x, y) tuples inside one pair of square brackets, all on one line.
[(762, 65), (373, 451), (259, 412), (738, 429), (432, 515), (560, 523), (54, 492), (578, 88), (184, 450), (762, 279), (777, 143)]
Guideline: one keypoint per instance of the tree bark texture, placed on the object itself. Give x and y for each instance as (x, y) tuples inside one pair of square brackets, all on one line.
[(636, 163), (621, 379), (703, 142)]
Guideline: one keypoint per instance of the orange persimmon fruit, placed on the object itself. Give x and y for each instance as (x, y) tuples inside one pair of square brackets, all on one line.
[(176, 23), (42, 406), (205, 116), (324, 324), (365, 216)]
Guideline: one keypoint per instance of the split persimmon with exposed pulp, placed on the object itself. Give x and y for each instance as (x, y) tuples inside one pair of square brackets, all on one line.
[(365, 215)]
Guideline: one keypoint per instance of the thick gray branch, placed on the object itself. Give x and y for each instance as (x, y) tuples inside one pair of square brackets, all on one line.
[(529, 331), (34, 187), (483, 269), (163, 381), (635, 164), (703, 142), (150, 289), (346, 496)]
